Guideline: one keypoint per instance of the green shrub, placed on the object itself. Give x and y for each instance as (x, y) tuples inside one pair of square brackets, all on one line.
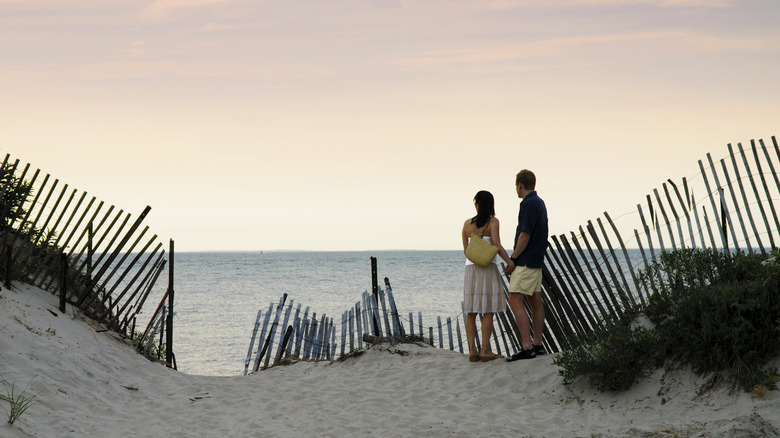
[(613, 357), (714, 311), (723, 324)]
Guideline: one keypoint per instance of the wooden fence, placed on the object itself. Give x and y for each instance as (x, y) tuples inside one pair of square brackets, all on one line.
[(589, 274), (97, 257), (306, 337), (593, 274)]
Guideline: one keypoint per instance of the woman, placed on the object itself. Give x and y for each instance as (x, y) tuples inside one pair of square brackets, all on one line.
[(482, 287)]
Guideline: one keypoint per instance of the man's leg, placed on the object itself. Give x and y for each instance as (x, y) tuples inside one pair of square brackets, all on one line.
[(537, 316), (521, 318)]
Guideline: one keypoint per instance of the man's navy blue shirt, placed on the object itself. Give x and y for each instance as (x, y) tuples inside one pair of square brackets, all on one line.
[(532, 219)]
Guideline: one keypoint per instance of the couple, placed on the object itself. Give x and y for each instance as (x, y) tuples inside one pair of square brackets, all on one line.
[(482, 287)]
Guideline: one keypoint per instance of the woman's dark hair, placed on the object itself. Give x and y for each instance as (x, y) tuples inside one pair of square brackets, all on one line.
[(486, 209)]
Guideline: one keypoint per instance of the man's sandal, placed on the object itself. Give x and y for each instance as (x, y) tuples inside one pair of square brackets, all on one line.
[(522, 354), (539, 350)]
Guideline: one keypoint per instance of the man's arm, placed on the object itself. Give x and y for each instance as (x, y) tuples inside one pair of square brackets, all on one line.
[(522, 242)]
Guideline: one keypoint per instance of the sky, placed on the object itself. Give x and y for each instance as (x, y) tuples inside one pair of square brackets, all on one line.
[(369, 125)]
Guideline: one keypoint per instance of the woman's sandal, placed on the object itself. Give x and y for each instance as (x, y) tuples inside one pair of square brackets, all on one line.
[(474, 358), (539, 349), (522, 354), (491, 357)]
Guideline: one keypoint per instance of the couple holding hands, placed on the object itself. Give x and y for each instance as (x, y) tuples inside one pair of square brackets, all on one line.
[(483, 287)]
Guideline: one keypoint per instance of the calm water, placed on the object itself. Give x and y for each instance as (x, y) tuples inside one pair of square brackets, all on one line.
[(218, 294)]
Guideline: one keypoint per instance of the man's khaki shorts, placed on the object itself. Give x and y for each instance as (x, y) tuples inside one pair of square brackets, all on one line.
[(525, 280)]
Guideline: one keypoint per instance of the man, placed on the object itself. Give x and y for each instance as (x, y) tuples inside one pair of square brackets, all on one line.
[(528, 255)]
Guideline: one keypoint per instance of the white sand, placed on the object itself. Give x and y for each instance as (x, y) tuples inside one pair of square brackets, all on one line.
[(92, 384)]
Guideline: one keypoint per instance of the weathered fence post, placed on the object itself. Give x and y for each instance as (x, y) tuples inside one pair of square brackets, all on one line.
[(449, 331), (441, 335), (351, 316), (398, 327), (63, 280), (8, 266), (344, 317), (723, 221), (252, 341), (90, 251), (358, 315), (460, 339), (163, 320), (283, 345), (375, 292), (169, 322), (272, 331), (384, 312), (260, 342), (300, 328)]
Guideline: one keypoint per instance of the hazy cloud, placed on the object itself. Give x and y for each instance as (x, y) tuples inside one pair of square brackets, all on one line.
[(165, 9), (566, 51)]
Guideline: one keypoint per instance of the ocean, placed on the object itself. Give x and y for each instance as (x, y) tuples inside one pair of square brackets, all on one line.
[(218, 294)]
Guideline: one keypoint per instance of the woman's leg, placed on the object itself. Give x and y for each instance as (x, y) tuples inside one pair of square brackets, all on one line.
[(471, 333), (487, 332)]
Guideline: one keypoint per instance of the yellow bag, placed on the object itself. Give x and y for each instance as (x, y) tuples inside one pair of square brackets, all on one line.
[(479, 251)]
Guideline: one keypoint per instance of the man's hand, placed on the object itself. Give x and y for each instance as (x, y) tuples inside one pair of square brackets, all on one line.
[(509, 268)]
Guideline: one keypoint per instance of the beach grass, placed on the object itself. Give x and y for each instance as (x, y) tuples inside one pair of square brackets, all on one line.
[(18, 402)]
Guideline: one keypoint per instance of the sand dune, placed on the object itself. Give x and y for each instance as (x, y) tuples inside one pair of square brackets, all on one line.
[(89, 383)]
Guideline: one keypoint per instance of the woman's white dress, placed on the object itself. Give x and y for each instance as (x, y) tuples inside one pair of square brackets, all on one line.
[(483, 289)]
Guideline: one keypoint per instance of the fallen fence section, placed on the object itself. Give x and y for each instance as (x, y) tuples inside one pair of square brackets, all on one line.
[(302, 336)]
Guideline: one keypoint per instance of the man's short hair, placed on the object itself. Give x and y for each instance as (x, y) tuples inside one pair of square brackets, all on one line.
[(528, 179)]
